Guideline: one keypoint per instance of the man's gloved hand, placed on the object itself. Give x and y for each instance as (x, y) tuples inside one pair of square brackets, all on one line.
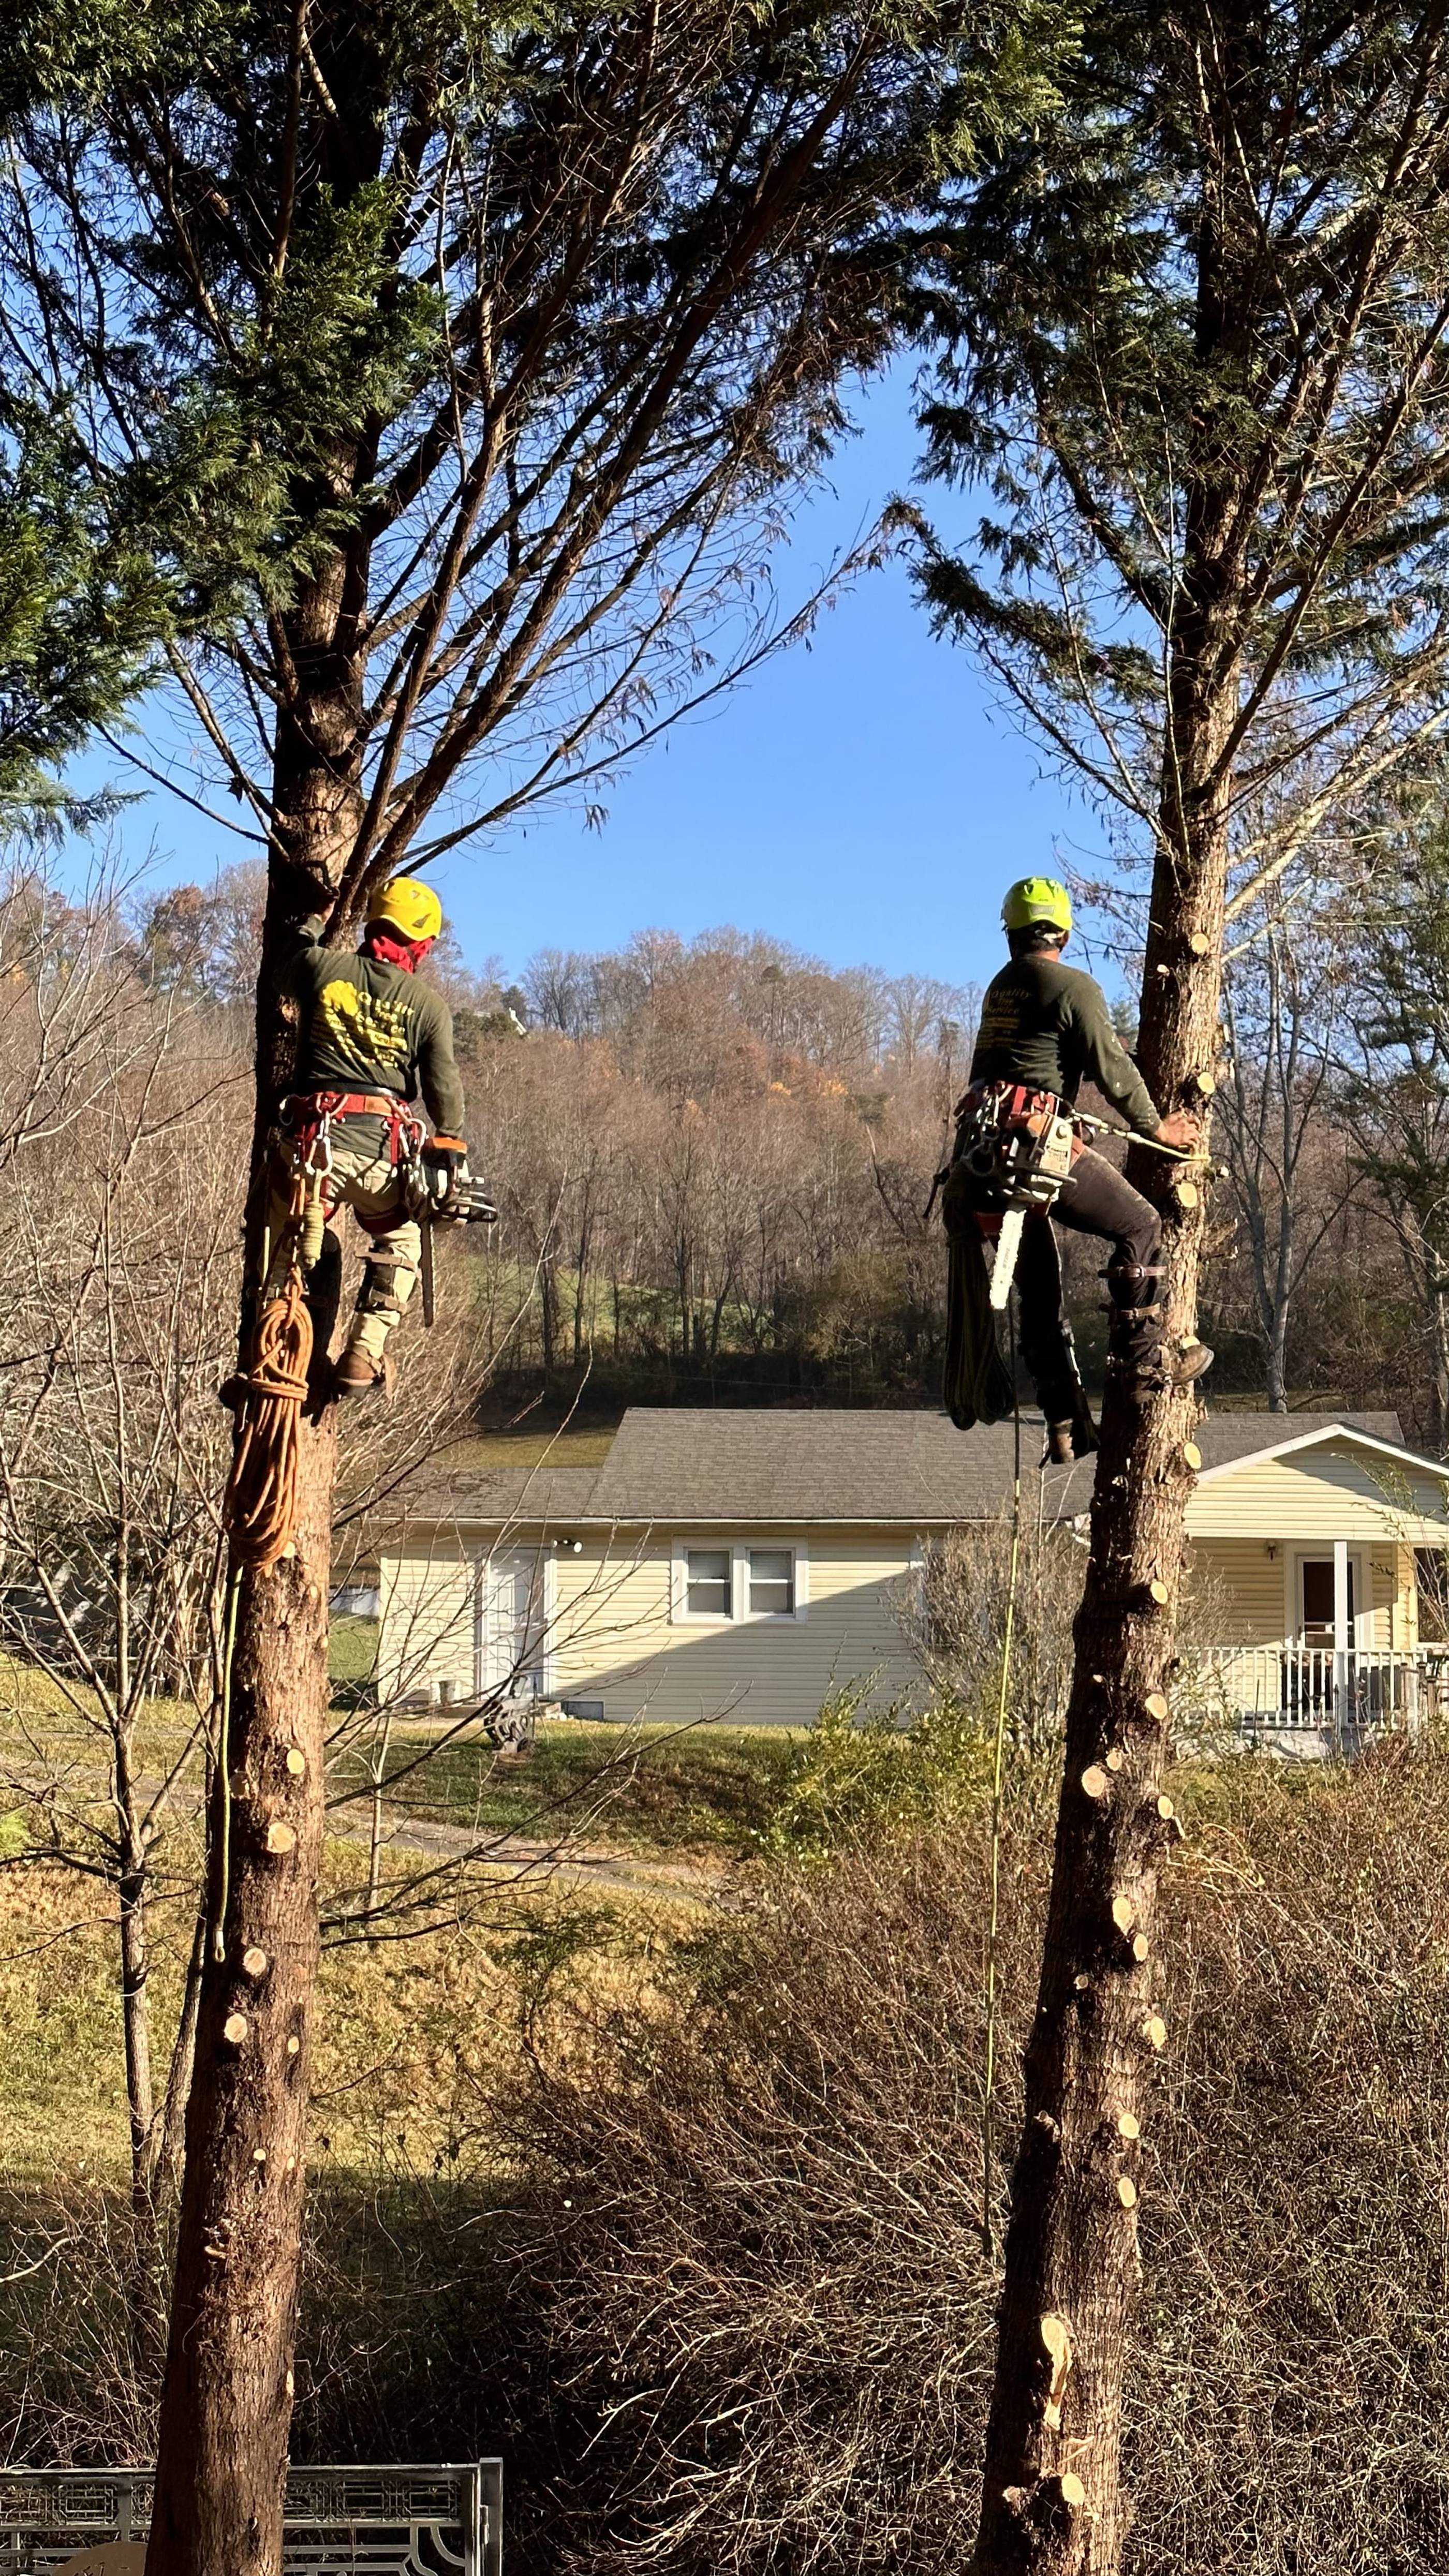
[(445, 1163)]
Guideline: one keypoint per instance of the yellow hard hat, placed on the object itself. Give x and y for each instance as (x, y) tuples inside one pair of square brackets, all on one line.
[(1034, 899), (407, 906)]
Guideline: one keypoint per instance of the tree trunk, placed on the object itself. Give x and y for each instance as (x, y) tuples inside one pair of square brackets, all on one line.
[(1277, 1364), (136, 2026), (375, 1821), (227, 2400), (1437, 1301), (1052, 2502), (227, 2403)]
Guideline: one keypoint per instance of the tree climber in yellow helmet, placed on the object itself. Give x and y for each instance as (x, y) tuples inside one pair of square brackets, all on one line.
[(369, 1041), (1047, 1028)]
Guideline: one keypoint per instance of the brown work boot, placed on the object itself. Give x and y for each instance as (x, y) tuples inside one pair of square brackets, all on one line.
[(1168, 1368), (1180, 1367), (357, 1372), (1059, 1450)]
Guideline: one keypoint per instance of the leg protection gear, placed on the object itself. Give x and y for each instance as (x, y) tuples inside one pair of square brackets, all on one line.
[(377, 1292)]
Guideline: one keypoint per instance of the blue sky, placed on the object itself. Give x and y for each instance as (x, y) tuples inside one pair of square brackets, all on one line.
[(862, 798)]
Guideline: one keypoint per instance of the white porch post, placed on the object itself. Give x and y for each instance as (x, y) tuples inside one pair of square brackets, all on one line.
[(1340, 1635)]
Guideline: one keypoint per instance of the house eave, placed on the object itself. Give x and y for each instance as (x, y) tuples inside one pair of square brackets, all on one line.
[(1438, 1468)]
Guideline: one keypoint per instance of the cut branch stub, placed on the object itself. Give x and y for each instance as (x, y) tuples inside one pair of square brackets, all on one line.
[(1056, 2336), (1166, 1810), (1124, 1913), (280, 1837), (1191, 1455), (1140, 1947), (1154, 2031), (255, 1962), (1094, 1781), (1128, 2126), (1157, 1592), (1116, 1759), (1127, 2191), (1156, 1707), (1185, 1193), (297, 1762), (234, 2029)]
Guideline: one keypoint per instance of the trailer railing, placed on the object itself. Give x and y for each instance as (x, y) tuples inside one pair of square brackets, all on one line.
[(355, 2521)]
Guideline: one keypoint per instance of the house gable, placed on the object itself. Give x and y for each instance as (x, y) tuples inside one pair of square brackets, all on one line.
[(1326, 1484)]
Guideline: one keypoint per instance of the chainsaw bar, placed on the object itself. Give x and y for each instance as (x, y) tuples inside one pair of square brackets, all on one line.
[(1003, 1268)]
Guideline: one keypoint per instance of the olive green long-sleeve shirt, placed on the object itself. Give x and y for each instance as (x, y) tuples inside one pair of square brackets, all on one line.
[(367, 1026), (1046, 1024)]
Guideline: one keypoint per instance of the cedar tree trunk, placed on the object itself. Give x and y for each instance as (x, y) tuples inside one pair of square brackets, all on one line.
[(227, 2400), (1052, 2501)]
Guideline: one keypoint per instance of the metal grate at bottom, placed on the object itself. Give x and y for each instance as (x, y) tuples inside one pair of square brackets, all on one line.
[(360, 2521)]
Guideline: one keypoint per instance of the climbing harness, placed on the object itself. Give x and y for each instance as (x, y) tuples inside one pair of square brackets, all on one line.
[(260, 1508), (1024, 1144)]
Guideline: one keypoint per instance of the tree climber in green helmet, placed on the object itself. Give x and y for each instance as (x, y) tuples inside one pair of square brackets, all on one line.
[(1046, 1027)]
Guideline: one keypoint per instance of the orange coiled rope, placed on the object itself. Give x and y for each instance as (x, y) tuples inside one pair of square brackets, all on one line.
[(260, 1510)]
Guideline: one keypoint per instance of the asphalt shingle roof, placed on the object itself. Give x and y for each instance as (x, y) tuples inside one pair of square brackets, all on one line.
[(691, 1466), (552, 1496)]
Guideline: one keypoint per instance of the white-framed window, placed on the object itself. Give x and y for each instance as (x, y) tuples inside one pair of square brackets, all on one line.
[(708, 1583), (722, 1581), (770, 1582)]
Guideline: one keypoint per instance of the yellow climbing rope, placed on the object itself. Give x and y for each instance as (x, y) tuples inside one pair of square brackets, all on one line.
[(998, 1774)]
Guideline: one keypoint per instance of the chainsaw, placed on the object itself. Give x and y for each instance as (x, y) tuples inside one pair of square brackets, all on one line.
[(1025, 1143)]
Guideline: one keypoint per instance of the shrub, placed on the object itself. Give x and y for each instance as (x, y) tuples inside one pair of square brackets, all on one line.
[(760, 2280)]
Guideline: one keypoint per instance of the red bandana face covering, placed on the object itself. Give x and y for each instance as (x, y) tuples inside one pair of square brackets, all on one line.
[(406, 953)]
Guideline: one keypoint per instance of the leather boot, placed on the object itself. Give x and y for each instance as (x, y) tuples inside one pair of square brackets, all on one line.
[(357, 1372), (1163, 1368)]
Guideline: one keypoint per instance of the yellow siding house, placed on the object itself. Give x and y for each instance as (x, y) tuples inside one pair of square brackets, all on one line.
[(745, 1564)]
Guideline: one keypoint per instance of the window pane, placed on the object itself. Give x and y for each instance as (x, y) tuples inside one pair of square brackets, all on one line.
[(1431, 1573), (772, 1582), (707, 1582), (1318, 1593)]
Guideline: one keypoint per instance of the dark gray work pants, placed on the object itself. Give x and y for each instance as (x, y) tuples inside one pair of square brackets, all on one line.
[(1096, 1200)]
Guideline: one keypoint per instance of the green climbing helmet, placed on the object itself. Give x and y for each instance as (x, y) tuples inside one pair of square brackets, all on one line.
[(1034, 899)]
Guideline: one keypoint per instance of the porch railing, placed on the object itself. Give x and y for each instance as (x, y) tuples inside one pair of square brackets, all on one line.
[(1360, 1692)]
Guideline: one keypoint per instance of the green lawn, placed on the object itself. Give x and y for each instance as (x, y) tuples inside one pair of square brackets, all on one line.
[(661, 1788)]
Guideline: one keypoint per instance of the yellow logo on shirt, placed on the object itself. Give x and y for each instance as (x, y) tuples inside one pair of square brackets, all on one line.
[(368, 1031)]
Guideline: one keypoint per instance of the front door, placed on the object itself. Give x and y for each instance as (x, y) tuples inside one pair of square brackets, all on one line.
[(1315, 1603), (510, 1622)]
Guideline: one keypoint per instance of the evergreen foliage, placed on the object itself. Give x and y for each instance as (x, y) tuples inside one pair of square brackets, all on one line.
[(1212, 290)]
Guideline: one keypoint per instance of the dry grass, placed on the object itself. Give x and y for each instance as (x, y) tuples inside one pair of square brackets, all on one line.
[(759, 2288), (713, 2273)]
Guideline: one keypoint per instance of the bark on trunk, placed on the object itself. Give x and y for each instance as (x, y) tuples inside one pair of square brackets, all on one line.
[(227, 2402), (227, 2398), (1052, 2502)]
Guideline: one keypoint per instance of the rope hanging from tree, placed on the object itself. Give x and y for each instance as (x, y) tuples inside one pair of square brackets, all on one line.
[(998, 1782), (260, 1510)]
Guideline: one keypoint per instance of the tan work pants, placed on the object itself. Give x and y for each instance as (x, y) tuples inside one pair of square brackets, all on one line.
[(365, 1181)]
